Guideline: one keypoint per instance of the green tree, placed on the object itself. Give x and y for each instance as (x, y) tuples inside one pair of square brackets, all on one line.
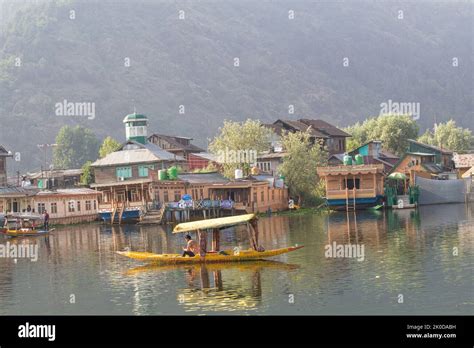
[(449, 136), (299, 166), (393, 130), (109, 145), (87, 176), (75, 146), (238, 144)]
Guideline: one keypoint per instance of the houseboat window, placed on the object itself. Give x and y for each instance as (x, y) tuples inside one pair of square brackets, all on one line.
[(351, 183), (255, 196), (201, 192), (78, 205), (70, 207), (88, 205), (41, 208), (124, 172), (95, 204), (54, 208), (177, 196), (165, 196), (262, 196)]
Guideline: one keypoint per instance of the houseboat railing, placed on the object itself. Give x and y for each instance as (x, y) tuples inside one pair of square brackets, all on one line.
[(329, 193)]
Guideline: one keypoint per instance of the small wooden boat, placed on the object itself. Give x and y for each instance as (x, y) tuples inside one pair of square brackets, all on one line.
[(24, 225), (256, 252)]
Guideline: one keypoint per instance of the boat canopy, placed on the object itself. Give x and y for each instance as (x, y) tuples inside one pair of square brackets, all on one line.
[(214, 223), (23, 216)]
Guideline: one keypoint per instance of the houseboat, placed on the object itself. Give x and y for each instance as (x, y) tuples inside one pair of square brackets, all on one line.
[(350, 187)]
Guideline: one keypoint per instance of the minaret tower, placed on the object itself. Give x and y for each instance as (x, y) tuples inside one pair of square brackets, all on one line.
[(136, 127)]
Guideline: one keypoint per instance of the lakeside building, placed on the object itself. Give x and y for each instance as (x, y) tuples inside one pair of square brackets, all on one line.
[(204, 191), (321, 132), (371, 152), (202, 160), (122, 177), (131, 188), (15, 199), (351, 187), (268, 163), (425, 161), (463, 163), (442, 157), (177, 145), (190, 194), (54, 178), (64, 206), (4, 154), (67, 206)]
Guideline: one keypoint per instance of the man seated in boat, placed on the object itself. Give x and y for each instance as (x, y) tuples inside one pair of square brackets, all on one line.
[(192, 247)]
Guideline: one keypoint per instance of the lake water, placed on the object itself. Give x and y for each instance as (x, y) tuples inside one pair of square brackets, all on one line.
[(415, 262)]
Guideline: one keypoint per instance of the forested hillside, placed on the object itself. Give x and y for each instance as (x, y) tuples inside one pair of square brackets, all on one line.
[(182, 57)]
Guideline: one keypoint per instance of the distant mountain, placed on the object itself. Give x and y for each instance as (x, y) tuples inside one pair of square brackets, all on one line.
[(77, 51)]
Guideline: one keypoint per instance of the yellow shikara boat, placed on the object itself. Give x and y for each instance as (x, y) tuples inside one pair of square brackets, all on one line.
[(24, 225), (256, 252)]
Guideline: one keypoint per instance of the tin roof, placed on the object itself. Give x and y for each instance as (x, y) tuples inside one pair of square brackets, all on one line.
[(431, 147), (69, 192), (197, 178), (9, 191), (133, 152), (55, 173), (176, 145), (4, 152), (324, 127)]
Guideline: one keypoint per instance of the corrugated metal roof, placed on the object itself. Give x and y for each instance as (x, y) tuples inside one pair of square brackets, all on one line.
[(123, 183), (302, 127), (196, 178), (176, 144), (272, 155), (55, 173), (18, 191), (324, 127), (435, 148), (133, 152), (432, 168), (206, 155), (4, 152), (72, 191)]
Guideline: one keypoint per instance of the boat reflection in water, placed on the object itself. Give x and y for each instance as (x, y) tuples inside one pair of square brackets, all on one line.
[(208, 290)]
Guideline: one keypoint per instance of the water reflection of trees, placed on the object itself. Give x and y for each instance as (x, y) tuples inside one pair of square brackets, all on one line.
[(400, 245)]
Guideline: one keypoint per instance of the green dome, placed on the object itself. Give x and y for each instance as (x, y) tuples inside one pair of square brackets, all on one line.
[(135, 117)]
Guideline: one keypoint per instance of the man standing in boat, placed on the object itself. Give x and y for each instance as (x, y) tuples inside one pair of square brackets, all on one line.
[(46, 220), (192, 247)]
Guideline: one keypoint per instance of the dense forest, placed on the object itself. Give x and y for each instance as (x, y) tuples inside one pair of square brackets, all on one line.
[(189, 65)]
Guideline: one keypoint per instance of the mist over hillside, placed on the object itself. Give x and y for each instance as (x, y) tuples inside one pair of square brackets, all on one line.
[(188, 65)]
